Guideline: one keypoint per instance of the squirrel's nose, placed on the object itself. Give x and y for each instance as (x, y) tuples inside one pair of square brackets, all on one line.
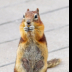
[(28, 22)]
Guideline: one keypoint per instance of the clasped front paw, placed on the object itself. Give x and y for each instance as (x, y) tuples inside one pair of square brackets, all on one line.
[(26, 28), (31, 28)]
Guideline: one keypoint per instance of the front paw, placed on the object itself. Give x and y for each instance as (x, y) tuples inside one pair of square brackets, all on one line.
[(31, 28), (26, 28)]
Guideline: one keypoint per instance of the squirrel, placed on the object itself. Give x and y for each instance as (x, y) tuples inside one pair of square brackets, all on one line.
[(32, 53)]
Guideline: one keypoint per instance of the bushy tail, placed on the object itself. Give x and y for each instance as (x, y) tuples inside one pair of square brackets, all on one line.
[(53, 63)]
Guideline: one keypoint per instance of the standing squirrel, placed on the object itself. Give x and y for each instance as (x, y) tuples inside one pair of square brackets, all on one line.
[(32, 53)]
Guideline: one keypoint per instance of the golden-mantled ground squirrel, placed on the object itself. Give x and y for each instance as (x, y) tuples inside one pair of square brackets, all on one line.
[(32, 53)]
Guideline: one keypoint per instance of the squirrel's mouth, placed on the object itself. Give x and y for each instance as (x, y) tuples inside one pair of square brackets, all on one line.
[(29, 25)]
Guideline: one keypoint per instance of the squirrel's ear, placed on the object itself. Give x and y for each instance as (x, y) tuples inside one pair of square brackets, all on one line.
[(27, 9), (37, 10)]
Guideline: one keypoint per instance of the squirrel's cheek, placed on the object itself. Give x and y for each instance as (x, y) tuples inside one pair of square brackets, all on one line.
[(25, 24)]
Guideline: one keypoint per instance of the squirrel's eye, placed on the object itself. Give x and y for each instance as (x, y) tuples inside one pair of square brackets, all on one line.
[(36, 16), (23, 16)]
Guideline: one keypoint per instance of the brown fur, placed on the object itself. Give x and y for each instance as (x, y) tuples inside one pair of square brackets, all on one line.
[(15, 70), (43, 39), (21, 40)]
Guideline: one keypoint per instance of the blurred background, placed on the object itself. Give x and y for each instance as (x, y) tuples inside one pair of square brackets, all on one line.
[(55, 16)]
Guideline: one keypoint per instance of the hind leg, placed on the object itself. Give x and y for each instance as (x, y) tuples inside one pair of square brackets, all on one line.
[(15, 70), (19, 66), (44, 69), (19, 69)]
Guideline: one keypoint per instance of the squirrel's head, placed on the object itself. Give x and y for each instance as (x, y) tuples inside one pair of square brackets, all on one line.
[(31, 18), (31, 23)]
